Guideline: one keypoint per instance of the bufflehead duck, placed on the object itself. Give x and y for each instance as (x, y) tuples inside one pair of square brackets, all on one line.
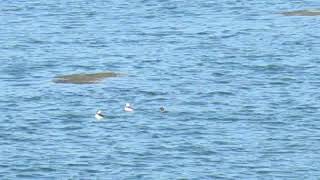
[(162, 109), (99, 115), (128, 108)]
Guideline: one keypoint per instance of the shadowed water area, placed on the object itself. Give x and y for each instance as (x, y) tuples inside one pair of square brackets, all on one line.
[(239, 82)]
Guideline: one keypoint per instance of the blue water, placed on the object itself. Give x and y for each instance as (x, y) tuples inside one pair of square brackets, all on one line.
[(239, 80)]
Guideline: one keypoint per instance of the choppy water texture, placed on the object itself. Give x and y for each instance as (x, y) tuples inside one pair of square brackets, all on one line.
[(240, 81)]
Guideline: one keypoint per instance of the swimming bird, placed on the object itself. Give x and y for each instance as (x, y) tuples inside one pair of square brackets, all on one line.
[(99, 115), (128, 108), (162, 109)]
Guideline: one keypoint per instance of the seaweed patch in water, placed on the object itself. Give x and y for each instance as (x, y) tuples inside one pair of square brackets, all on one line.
[(314, 12), (85, 78)]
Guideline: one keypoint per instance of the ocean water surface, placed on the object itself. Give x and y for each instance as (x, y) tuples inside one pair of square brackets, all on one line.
[(240, 82)]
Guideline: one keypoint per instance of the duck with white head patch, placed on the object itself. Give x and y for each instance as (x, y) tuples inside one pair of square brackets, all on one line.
[(128, 108), (99, 115)]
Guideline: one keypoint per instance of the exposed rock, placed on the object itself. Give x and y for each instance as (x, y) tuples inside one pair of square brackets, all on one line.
[(85, 78), (314, 12)]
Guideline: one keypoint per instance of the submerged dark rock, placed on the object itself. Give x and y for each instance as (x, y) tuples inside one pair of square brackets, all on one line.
[(83, 78), (314, 12)]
